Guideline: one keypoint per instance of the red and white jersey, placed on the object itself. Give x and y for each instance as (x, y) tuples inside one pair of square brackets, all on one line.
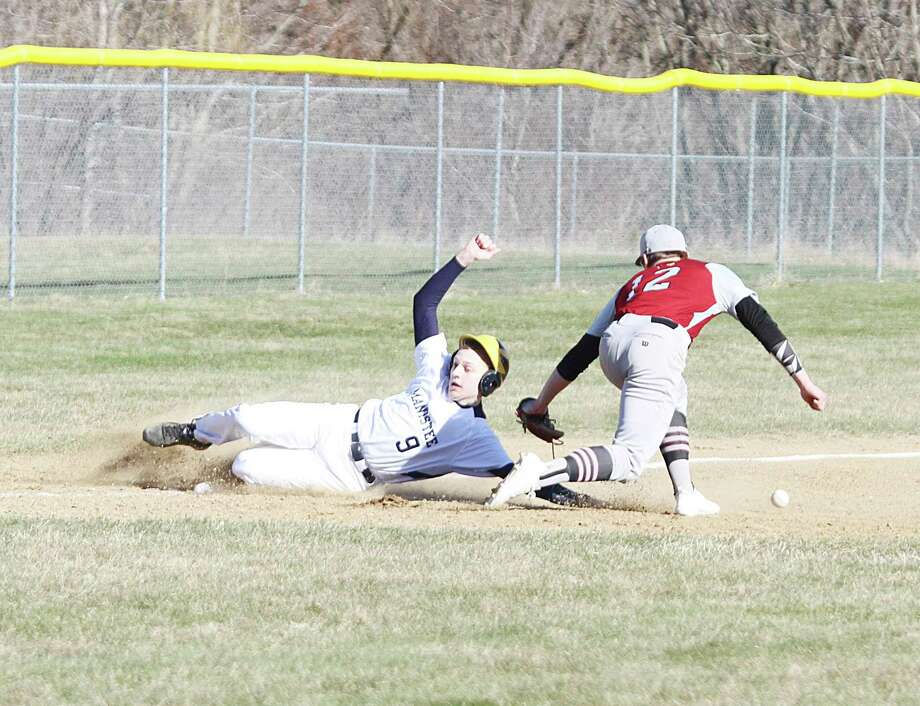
[(689, 292)]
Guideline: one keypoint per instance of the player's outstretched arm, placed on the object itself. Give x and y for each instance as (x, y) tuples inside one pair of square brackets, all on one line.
[(758, 321), (554, 384), (425, 303), (573, 364)]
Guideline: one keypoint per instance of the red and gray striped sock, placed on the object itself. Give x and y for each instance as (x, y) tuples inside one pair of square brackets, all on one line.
[(675, 449), (583, 465)]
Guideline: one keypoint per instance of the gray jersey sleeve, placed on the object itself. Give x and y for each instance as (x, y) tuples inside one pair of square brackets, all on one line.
[(728, 288), (604, 317), (431, 359)]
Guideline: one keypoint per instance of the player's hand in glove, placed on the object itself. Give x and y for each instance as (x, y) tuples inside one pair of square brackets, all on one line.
[(538, 424)]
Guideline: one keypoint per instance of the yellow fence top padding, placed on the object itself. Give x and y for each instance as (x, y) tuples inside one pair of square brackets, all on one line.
[(160, 58)]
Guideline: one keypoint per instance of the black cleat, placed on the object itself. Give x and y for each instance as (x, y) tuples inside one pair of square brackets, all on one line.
[(173, 434), (560, 495)]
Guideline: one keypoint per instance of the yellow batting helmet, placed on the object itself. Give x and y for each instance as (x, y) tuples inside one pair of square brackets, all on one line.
[(494, 354)]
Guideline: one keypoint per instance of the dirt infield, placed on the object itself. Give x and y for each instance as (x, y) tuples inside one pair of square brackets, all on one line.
[(124, 479)]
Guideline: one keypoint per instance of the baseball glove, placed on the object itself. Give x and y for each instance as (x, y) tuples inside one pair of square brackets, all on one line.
[(540, 425)]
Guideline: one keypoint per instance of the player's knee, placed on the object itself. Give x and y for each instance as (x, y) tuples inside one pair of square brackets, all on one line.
[(635, 463), (626, 460), (632, 473), (244, 467)]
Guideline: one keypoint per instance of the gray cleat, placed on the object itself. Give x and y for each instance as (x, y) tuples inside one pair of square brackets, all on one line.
[(173, 434)]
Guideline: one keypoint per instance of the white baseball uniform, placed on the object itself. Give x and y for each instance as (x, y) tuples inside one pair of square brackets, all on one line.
[(418, 433)]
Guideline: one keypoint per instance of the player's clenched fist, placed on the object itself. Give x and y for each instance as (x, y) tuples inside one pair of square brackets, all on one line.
[(481, 247)]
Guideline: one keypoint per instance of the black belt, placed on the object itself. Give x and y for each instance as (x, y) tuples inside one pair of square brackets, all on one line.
[(657, 320), (663, 320), (357, 455)]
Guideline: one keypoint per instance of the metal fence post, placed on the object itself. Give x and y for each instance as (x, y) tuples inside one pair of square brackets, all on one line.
[(304, 154), (164, 176), (881, 191), (752, 148), (439, 178), (781, 230), (573, 209), (247, 201), (909, 196), (497, 189), (90, 160), (371, 193), (832, 197), (674, 156), (558, 248), (14, 185)]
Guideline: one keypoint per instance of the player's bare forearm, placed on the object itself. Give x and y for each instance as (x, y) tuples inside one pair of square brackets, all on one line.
[(579, 357), (814, 396), (554, 384)]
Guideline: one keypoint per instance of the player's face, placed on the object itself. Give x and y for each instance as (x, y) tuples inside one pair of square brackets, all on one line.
[(467, 370)]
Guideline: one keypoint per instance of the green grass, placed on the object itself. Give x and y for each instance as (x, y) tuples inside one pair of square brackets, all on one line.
[(193, 612), (72, 366), (239, 612), (195, 264)]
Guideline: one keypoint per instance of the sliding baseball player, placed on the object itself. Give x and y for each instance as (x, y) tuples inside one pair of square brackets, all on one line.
[(435, 426)]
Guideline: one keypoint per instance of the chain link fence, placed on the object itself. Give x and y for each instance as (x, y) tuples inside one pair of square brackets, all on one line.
[(169, 181)]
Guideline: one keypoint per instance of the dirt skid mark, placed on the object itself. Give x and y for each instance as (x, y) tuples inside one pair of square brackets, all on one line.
[(178, 468), (388, 500)]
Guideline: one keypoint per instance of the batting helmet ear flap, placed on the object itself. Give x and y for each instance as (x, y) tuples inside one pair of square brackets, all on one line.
[(489, 383)]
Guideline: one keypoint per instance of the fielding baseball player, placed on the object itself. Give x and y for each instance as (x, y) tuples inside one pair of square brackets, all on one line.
[(434, 427), (641, 337)]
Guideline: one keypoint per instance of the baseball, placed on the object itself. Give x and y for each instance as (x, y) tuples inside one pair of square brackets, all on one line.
[(780, 498), (201, 488)]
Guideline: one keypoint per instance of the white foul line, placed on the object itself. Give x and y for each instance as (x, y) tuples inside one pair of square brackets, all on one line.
[(82, 493), (790, 459)]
